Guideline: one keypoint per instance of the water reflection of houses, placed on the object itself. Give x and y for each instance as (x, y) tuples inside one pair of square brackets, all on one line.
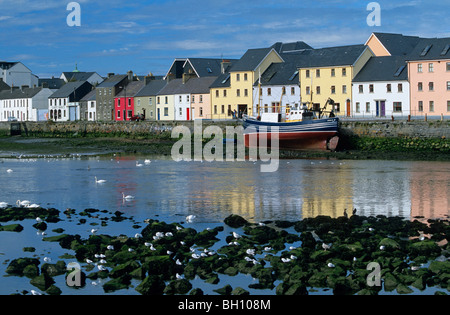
[(430, 190), (327, 192), (373, 186)]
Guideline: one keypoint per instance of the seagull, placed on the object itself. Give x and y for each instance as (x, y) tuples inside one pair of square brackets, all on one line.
[(101, 268), (138, 235), (178, 262), (382, 247), (250, 252), (285, 260), (179, 277), (190, 218), (127, 198), (88, 261), (47, 259), (236, 235), (110, 247), (39, 220), (326, 246), (267, 249), (33, 292), (93, 231), (99, 181), (331, 265)]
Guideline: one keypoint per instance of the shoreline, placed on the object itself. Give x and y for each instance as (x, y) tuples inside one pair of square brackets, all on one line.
[(350, 148), (286, 258)]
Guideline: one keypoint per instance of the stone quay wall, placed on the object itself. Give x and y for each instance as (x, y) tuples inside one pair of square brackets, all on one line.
[(384, 128)]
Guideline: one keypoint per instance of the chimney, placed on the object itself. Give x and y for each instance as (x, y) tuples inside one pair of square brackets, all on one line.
[(130, 76), (148, 78), (111, 74), (224, 66), (187, 76), (170, 76)]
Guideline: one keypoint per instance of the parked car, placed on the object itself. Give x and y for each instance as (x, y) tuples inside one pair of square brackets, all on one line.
[(137, 118)]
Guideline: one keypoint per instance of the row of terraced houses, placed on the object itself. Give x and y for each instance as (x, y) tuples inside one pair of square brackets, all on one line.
[(391, 75)]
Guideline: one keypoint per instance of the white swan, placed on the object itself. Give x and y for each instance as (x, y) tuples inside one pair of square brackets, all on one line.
[(190, 218), (33, 206), (147, 162), (9, 171), (23, 203), (139, 164), (3, 205), (127, 198), (99, 181)]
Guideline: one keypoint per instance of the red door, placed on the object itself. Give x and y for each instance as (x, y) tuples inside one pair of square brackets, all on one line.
[(187, 114)]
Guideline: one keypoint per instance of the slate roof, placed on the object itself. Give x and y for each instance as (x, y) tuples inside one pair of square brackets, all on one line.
[(438, 49), (280, 74), (251, 59), (78, 76), (192, 86), (331, 56), (398, 44), (91, 96), (67, 89), (205, 67), (152, 88), (4, 65), (294, 47), (383, 69), (4, 86), (19, 93), (112, 81), (53, 83), (131, 89)]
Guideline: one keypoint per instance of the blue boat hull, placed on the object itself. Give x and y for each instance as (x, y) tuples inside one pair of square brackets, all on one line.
[(314, 135)]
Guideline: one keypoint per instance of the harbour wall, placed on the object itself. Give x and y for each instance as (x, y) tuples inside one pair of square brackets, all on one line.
[(376, 129)]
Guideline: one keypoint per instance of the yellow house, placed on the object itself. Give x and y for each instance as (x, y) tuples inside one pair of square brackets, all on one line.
[(233, 91), (328, 73)]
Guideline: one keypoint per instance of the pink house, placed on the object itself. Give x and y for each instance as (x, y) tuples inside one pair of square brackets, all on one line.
[(124, 107), (429, 77)]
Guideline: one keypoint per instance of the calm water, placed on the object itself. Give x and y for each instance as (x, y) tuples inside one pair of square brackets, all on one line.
[(170, 191)]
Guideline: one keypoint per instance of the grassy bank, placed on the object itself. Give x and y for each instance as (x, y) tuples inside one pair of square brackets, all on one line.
[(350, 147)]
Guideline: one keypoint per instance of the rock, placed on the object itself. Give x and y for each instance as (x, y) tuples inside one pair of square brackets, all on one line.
[(124, 269), (11, 228), (226, 290), (31, 271), (115, 284), (42, 282), (181, 286), (231, 271), (53, 290), (403, 289), (439, 267), (53, 270), (389, 243), (390, 282), (425, 248), (42, 226), (297, 289), (152, 285), (235, 221), (196, 291), (17, 266), (240, 291)]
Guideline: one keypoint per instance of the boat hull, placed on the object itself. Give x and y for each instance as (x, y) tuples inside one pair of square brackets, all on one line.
[(313, 135)]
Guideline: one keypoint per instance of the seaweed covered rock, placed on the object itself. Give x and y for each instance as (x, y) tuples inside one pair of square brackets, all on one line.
[(235, 221), (17, 266)]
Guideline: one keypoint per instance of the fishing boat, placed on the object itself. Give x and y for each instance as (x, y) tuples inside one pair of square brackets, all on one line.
[(303, 129)]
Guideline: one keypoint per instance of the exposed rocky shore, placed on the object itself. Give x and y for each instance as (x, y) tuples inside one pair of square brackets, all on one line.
[(289, 258)]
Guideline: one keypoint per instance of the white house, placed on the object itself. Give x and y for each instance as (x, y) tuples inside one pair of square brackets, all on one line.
[(381, 88), (65, 104), (25, 104), (280, 90), (17, 74)]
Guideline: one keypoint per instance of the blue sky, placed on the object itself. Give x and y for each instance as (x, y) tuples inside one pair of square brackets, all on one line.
[(145, 36)]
